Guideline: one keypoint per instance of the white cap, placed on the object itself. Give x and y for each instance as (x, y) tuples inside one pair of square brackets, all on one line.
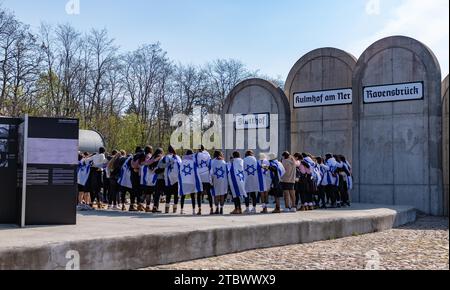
[(262, 156), (272, 156)]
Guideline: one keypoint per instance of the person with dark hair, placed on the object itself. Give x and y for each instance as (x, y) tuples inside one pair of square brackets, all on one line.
[(124, 179), (135, 195), (82, 180), (148, 151), (313, 178), (98, 162), (277, 172), (253, 180), (299, 181), (236, 179), (219, 180), (111, 175), (321, 188), (203, 159), (159, 188), (330, 180), (343, 174), (349, 173), (288, 182), (171, 164), (189, 181), (149, 179)]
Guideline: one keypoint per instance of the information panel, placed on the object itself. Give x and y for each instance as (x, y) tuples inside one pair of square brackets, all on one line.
[(51, 164)]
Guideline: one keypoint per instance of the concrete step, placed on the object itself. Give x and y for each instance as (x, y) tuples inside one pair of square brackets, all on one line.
[(116, 240)]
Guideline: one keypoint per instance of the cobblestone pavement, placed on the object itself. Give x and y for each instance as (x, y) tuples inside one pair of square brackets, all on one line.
[(419, 246)]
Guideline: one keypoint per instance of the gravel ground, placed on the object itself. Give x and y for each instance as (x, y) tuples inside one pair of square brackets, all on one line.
[(420, 246)]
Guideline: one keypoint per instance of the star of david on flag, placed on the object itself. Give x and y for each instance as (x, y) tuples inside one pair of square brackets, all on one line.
[(219, 173), (187, 170), (203, 164), (251, 170)]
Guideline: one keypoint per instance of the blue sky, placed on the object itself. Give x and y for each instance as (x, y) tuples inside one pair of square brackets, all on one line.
[(267, 35)]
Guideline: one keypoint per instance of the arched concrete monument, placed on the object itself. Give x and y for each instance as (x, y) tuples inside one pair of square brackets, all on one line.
[(260, 98), (319, 90), (397, 114), (445, 128)]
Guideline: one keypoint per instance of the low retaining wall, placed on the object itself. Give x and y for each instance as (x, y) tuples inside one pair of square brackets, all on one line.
[(145, 250)]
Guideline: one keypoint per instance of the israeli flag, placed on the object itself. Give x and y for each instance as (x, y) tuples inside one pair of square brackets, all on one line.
[(263, 166), (189, 177), (254, 180), (172, 164), (125, 174), (280, 169), (203, 160), (236, 178), (330, 177), (310, 162), (219, 179), (83, 172), (148, 176)]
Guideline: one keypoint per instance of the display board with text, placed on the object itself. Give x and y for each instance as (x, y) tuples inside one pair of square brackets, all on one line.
[(51, 164)]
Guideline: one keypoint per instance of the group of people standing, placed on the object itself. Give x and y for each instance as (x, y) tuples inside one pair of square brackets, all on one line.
[(304, 182)]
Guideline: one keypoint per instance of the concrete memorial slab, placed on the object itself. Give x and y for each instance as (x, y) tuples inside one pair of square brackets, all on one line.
[(397, 133), (319, 90), (445, 128), (252, 102), (139, 240)]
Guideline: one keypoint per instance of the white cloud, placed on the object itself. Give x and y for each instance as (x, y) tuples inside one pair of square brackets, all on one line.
[(373, 7), (426, 21)]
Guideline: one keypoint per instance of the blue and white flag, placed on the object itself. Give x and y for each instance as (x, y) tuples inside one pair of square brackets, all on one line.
[(263, 166), (236, 178), (203, 160), (125, 174), (330, 177), (148, 176), (219, 177), (83, 171), (280, 169), (172, 166), (189, 177), (254, 180)]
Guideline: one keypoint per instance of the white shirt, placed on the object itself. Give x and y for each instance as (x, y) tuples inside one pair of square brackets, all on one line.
[(98, 160)]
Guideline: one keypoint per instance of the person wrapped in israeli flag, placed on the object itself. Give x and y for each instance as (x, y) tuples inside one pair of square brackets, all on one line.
[(148, 176), (254, 180), (344, 176), (171, 164), (125, 175), (263, 169), (330, 181), (277, 171), (236, 179), (84, 169), (203, 160), (219, 180), (189, 181)]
